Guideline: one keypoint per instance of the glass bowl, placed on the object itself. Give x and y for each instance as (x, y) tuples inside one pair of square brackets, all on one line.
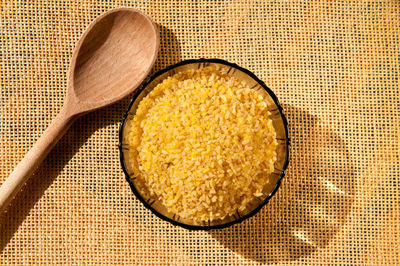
[(278, 119)]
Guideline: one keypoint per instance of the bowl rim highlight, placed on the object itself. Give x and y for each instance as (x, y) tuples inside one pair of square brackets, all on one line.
[(208, 226)]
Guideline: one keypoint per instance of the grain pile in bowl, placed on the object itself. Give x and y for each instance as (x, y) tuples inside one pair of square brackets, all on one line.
[(203, 144)]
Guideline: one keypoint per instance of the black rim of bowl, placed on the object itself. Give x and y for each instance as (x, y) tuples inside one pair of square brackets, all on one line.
[(204, 227)]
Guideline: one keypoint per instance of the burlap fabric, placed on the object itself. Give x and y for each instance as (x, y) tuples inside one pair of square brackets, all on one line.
[(334, 66)]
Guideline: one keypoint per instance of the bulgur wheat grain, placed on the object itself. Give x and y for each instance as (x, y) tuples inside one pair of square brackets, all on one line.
[(203, 144)]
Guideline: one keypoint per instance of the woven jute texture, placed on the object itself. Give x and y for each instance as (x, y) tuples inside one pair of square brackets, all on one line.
[(334, 65)]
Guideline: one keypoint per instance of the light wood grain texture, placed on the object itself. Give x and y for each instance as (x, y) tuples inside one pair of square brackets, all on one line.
[(112, 58)]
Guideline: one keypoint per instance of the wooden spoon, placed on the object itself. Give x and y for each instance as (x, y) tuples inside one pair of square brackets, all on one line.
[(112, 58)]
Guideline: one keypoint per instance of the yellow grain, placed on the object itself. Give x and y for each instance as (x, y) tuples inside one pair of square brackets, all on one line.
[(203, 144)]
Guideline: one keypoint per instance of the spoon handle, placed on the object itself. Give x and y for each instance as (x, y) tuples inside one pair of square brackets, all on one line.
[(34, 157)]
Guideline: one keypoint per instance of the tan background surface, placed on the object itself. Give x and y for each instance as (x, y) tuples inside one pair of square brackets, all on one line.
[(333, 64)]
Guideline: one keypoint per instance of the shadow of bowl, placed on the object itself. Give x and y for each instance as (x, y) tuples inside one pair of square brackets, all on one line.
[(311, 205)]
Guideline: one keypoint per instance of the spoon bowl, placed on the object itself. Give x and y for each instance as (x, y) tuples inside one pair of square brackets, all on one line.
[(111, 59), (114, 55)]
